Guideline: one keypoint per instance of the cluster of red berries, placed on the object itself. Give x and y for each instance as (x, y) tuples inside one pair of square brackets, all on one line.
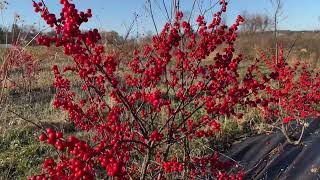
[(297, 93), (19, 60), (80, 165), (173, 166)]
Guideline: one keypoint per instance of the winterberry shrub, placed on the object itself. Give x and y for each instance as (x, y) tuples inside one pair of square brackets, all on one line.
[(146, 120), (292, 94), (18, 68)]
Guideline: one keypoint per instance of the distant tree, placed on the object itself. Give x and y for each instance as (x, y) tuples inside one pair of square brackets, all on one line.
[(112, 37), (256, 22), (267, 22), (2, 35)]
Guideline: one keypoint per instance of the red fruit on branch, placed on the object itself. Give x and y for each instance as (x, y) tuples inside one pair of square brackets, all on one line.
[(42, 137)]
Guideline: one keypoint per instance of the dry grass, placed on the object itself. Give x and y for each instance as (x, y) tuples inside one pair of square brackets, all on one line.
[(303, 46)]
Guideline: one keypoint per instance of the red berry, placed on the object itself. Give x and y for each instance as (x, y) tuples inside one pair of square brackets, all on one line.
[(52, 136), (42, 137), (50, 130), (59, 135)]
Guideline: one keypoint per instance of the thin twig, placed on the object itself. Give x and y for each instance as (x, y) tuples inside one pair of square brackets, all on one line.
[(25, 119), (152, 17)]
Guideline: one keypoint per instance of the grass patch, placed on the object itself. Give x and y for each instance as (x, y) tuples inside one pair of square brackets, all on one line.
[(21, 155)]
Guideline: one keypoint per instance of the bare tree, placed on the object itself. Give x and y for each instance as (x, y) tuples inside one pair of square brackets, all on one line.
[(256, 22), (267, 21), (3, 7), (278, 4)]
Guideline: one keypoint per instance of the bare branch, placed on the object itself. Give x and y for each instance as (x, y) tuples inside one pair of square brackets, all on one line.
[(152, 17)]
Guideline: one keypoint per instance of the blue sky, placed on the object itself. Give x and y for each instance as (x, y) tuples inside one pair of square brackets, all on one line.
[(118, 14)]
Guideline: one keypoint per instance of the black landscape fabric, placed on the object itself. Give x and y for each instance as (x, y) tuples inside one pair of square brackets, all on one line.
[(270, 157)]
